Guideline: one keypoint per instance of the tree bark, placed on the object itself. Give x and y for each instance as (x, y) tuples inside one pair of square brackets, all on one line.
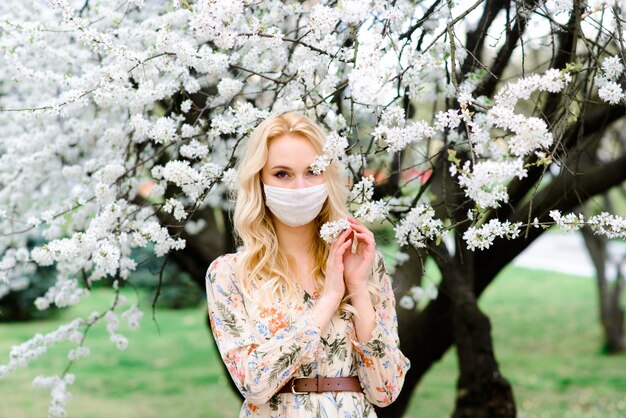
[(481, 390), (609, 298)]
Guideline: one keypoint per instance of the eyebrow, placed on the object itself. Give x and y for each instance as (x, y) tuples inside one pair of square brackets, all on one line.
[(284, 166)]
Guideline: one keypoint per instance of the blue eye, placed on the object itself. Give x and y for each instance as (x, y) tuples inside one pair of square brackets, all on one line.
[(279, 173)]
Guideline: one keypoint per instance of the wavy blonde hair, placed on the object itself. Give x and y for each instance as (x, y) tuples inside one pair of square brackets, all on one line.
[(262, 269)]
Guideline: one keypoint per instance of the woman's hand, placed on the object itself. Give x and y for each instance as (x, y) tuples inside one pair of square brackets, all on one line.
[(334, 286), (358, 266)]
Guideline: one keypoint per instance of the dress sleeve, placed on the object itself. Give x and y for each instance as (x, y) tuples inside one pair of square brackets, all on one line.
[(381, 366), (259, 366)]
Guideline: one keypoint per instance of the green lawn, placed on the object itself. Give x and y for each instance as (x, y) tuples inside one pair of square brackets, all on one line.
[(545, 328)]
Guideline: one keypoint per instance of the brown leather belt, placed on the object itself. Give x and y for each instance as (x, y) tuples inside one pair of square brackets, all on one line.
[(321, 384)]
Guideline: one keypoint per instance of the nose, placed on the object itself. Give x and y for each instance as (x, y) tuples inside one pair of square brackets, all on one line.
[(300, 184)]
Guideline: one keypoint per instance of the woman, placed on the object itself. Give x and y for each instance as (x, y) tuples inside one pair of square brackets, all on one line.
[(305, 328)]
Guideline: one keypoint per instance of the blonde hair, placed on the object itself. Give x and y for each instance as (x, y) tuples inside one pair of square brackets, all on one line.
[(263, 270)]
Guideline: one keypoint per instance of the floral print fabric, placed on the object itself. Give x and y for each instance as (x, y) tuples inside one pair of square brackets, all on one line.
[(263, 348)]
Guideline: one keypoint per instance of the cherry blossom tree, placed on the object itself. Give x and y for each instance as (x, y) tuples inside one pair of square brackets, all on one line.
[(121, 122)]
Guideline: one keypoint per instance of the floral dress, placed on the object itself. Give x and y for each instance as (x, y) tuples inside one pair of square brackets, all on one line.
[(263, 348)]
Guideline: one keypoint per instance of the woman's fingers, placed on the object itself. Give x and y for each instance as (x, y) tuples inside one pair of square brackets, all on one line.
[(344, 246), (365, 237), (340, 239), (359, 227)]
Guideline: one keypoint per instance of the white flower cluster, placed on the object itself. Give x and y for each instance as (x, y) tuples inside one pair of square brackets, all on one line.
[(393, 130), (100, 251), (21, 354), (374, 211), (368, 211), (217, 21), (133, 316), (112, 326), (153, 231), (164, 130), (486, 184), (450, 119), (64, 292), (331, 230), (194, 149), (483, 236), (240, 119), (609, 89), (334, 149), (560, 5), (570, 222), (609, 225), (530, 133), (229, 179), (78, 353), (363, 191), (368, 80), (322, 19), (227, 88), (418, 294), (418, 226), (175, 206), (58, 391), (486, 180), (193, 182)]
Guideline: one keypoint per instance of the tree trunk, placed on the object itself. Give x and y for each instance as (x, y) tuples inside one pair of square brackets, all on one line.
[(481, 390), (611, 312)]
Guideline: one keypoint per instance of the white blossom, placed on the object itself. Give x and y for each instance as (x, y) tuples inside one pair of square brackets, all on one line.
[(482, 237), (78, 352), (486, 182), (186, 106), (363, 190), (374, 211), (398, 137), (22, 354), (120, 341), (323, 18), (569, 222), (561, 5), (611, 92), (176, 208), (418, 226), (334, 148), (58, 390), (407, 302), (330, 231), (609, 225), (227, 88), (133, 315), (612, 67), (193, 182), (194, 149)]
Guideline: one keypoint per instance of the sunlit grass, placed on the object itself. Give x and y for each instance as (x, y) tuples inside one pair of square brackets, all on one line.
[(548, 341)]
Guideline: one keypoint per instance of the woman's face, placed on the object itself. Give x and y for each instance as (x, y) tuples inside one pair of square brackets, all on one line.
[(288, 163)]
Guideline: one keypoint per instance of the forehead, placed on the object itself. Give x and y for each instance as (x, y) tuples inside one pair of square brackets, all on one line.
[(290, 150)]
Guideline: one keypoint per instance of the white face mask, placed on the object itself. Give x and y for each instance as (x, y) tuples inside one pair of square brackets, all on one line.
[(295, 207)]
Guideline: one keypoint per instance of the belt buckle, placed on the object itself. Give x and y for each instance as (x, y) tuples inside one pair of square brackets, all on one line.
[(293, 388)]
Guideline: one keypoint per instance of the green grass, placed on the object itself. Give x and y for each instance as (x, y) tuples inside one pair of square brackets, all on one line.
[(548, 342), (545, 327)]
